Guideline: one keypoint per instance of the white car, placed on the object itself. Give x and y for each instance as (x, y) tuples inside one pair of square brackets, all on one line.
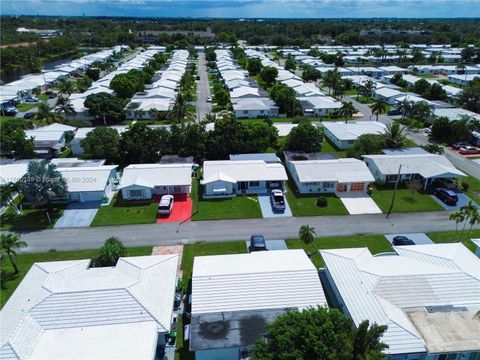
[(209, 99), (278, 200), (165, 205)]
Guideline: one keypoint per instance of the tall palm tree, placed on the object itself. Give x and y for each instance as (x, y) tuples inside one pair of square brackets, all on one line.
[(306, 234), (422, 111), (181, 110), (66, 87), (64, 106), (405, 108), (47, 113), (378, 108), (347, 110), (394, 136), (368, 87), (10, 243), (42, 183), (458, 217)]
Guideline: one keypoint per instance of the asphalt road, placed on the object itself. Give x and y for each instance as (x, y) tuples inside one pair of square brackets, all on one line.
[(224, 230), (203, 89)]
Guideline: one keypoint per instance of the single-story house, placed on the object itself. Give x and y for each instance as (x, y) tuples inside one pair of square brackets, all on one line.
[(427, 295), (49, 140), (234, 298), (392, 70), (387, 94), (343, 135), (69, 310), (254, 107), (244, 92), (318, 105), (227, 178), (330, 176), (462, 79), (269, 158), (142, 181), (423, 167), (455, 113)]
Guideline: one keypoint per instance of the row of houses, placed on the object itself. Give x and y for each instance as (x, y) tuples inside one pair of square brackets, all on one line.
[(426, 295), (102, 85), (10, 92), (161, 94), (247, 99)]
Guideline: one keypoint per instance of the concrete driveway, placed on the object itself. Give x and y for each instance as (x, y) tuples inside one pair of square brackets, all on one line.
[(462, 201), (417, 238), (267, 211), (359, 203), (271, 245), (78, 215)]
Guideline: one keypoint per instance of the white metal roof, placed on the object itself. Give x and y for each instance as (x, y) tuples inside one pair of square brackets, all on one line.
[(341, 170), (150, 175), (66, 310), (383, 289), (12, 173), (259, 280), (87, 178), (352, 130), (243, 170), (427, 165), (388, 92)]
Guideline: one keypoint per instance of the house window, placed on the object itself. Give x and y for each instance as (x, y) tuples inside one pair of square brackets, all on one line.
[(245, 111), (328, 184), (253, 183), (136, 193), (391, 178)]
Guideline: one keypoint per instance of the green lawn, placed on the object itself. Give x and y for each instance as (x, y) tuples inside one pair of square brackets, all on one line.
[(25, 261), (364, 99), (121, 214), (351, 92), (30, 219), (474, 187), (376, 244), (305, 205), (25, 107), (239, 207), (453, 236), (328, 147), (404, 202)]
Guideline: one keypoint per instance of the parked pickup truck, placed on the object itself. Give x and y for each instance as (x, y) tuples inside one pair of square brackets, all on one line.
[(278, 200)]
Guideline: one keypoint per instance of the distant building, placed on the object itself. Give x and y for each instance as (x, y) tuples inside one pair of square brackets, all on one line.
[(44, 34)]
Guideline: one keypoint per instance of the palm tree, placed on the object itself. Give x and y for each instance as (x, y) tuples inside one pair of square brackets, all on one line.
[(379, 108), (65, 107), (415, 70), (181, 110), (405, 107), (394, 136), (306, 234), (347, 110), (9, 244), (458, 217), (368, 87), (366, 339), (210, 117), (66, 87), (460, 68), (138, 114), (471, 216), (42, 183), (7, 193), (153, 114), (45, 112), (422, 111)]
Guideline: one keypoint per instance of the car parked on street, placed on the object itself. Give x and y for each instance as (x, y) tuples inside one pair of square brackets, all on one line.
[(468, 150), (393, 112), (209, 99), (31, 99), (165, 205), (448, 196), (459, 144), (402, 240), (257, 243), (9, 111), (278, 200), (29, 115)]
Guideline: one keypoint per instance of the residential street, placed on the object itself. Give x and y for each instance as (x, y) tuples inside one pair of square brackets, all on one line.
[(222, 230), (203, 89)]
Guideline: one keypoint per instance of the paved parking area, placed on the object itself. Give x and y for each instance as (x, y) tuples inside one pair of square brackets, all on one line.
[(462, 201), (359, 203), (78, 215), (417, 238), (272, 244), (182, 210), (266, 207)]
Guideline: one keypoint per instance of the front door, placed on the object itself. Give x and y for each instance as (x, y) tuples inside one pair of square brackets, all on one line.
[(340, 187), (242, 185)]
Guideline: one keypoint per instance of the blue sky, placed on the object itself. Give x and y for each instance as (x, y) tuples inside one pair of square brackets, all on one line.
[(246, 8)]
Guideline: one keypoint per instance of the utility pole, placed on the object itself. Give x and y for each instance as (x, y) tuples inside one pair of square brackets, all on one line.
[(394, 191)]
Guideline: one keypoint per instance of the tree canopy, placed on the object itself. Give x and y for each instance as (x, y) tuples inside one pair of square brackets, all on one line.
[(304, 137), (101, 143), (105, 107)]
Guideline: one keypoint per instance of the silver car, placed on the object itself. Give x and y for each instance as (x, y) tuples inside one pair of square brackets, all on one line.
[(278, 200), (165, 205)]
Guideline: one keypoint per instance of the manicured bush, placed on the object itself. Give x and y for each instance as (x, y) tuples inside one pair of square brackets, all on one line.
[(322, 201)]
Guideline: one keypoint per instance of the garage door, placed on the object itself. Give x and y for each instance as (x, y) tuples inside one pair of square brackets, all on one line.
[(91, 196), (356, 187)]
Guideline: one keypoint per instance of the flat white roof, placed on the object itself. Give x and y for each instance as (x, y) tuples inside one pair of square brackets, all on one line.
[(341, 170), (151, 175), (242, 170), (255, 281), (352, 130), (440, 278), (427, 165), (66, 310), (12, 173)]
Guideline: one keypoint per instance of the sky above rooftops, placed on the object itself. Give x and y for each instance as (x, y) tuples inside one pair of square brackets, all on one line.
[(246, 8)]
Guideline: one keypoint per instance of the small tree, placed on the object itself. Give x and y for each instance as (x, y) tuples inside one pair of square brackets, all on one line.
[(306, 234), (109, 253), (10, 243), (414, 186), (268, 75)]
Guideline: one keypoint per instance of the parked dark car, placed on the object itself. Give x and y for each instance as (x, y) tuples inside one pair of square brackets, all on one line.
[(448, 196), (394, 112), (402, 240), (9, 111), (257, 243), (52, 96), (29, 115), (459, 144)]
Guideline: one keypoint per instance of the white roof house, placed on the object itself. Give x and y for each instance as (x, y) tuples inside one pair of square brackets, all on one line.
[(245, 292), (66, 310), (455, 113), (87, 178), (12, 173), (387, 94), (426, 294), (344, 134)]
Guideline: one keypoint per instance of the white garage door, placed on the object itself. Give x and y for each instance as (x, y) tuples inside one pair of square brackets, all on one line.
[(91, 196)]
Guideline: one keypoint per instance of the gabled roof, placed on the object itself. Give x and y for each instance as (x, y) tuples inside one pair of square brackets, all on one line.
[(243, 170), (59, 304), (352, 130), (392, 290), (150, 175)]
